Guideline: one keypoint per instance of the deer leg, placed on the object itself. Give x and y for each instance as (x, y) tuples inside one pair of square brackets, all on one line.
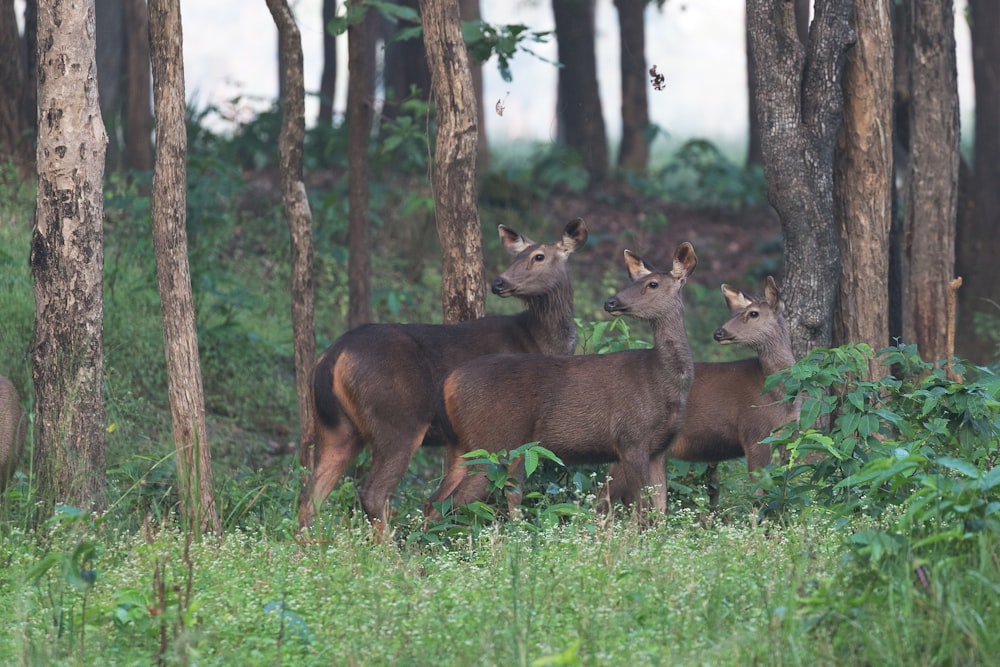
[(658, 480), (472, 487), (515, 493), (391, 456), (712, 485), (454, 473), (336, 450)]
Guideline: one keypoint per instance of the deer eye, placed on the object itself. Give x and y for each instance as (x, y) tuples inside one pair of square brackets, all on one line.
[(652, 284), (753, 314), (539, 257)]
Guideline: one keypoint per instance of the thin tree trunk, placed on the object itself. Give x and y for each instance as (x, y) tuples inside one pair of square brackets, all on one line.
[(581, 119), (138, 113), (633, 155), (800, 108), (290, 149), (978, 234), (67, 261), (111, 74), (931, 190), (180, 337), (360, 97), (328, 79), (15, 139), (863, 181), (469, 11), (463, 280)]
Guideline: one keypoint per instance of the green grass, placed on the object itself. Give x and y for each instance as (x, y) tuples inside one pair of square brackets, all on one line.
[(591, 592)]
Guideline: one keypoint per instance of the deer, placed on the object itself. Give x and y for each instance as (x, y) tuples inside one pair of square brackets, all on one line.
[(13, 427), (376, 384), (623, 407), (728, 415)]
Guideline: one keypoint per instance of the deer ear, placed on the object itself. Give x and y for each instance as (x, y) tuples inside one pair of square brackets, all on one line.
[(684, 261), (637, 267), (513, 241), (735, 299), (772, 295), (574, 236)]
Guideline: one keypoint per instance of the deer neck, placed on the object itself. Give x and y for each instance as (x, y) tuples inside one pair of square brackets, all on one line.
[(551, 322), (670, 344), (776, 353)]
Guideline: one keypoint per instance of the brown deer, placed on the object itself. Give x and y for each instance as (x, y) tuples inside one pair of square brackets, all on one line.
[(376, 384), (623, 407), (727, 412), (13, 427)]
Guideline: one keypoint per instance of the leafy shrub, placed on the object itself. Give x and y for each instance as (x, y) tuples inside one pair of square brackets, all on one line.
[(699, 173)]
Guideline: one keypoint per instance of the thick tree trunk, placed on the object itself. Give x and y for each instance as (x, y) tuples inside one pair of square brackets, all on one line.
[(463, 280), (328, 79), (360, 97), (931, 190), (754, 156), (633, 155), (863, 182), (67, 261), (800, 107), (581, 120), (978, 234), (180, 336), (298, 215), (138, 113)]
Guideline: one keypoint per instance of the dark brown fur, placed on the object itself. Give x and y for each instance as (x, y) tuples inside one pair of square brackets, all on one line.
[(727, 412), (624, 407), (376, 384)]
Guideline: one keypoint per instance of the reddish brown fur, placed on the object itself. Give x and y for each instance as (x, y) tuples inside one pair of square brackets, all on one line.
[(727, 414), (13, 427), (376, 384), (624, 406)]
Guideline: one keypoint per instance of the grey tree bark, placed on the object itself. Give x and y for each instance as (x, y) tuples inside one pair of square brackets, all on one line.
[(291, 145), (180, 336), (799, 110), (67, 261), (463, 280)]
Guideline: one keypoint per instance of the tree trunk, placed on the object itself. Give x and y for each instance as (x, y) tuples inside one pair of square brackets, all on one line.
[(863, 182), (469, 11), (328, 79), (799, 109), (633, 155), (67, 261), (754, 156), (290, 149), (931, 189), (138, 113), (111, 74), (405, 67), (15, 122), (360, 97), (180, 336), (581, 120), (463, 280), (31, 64), (978, 235)]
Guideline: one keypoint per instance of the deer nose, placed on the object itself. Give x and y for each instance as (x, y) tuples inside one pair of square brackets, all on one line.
[(500, 286), (720, 334), (612, 304)]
